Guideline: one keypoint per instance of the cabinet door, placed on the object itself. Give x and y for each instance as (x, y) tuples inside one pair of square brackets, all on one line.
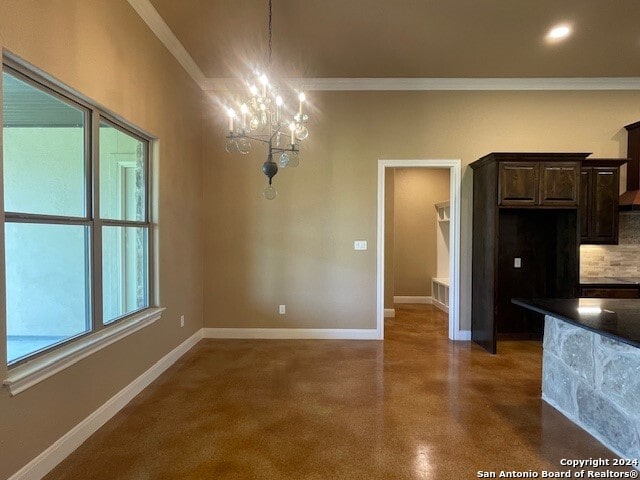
[(604, 191), (559, 183), (602, 292), (585, 203), (518, 183)]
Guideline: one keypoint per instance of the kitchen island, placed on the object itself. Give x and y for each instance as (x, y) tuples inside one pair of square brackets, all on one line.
[(591, 366)]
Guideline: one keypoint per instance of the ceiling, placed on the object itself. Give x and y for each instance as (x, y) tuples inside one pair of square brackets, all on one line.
[(409, 38), (24, 105)]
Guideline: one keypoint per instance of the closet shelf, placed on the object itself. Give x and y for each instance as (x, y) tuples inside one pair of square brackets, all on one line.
[(444, 211)]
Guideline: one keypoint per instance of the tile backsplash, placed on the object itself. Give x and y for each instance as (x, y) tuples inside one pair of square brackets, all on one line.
[(621, 260)]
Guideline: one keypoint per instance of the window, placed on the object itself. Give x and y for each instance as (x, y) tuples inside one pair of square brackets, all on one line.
[(123, 210), (77, 230)]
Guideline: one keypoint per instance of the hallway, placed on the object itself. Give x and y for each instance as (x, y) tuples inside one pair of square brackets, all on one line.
[(414, 406)]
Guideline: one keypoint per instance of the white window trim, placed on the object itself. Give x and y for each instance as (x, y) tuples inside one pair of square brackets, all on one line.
[(35, 368), (24, 376)]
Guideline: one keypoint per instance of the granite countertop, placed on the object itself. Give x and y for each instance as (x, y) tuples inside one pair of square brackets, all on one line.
[(612, 317)]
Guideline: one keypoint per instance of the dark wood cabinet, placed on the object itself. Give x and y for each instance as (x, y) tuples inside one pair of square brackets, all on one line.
[(630, 200), (518, 183), (630, 291), (585, 204), (539, 180), (599, 190), (525, 239), (559, 183)]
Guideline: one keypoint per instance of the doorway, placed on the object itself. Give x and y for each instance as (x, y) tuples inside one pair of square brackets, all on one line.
[(454, 167)]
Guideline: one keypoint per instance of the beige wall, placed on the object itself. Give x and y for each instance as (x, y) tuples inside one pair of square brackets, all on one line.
[(415, 222), (298, 249), (105, 51)]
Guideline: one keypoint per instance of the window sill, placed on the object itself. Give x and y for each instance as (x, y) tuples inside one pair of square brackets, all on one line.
[(35, 371)]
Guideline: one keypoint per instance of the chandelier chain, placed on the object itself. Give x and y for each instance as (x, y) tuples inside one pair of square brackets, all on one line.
[(270, 33)]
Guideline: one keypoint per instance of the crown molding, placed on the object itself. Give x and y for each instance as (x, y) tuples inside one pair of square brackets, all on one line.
[(159, 27), (156, 23), (435, 84)]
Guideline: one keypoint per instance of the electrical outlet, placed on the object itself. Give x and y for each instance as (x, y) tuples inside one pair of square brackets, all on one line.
[(282, 309), (517, 262), (181, 320)]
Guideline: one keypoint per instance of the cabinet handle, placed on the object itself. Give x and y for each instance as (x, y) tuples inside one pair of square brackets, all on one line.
[(605, 173)]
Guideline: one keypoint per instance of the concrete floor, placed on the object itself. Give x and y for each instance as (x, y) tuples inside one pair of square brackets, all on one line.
[(414, 406)]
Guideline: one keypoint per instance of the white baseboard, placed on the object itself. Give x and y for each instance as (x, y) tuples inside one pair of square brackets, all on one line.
[(464, 335), (61, 448), (294, 333), (389, 312), (412, 299)]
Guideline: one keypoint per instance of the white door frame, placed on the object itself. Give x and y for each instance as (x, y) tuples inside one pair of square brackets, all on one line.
[(454, 167)]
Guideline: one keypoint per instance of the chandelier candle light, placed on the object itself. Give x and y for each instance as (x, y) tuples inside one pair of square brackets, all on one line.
[(265, 118)]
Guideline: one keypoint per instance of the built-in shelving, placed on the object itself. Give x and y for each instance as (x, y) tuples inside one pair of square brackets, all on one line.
[(440, 293), (440, 284), (444, 211)]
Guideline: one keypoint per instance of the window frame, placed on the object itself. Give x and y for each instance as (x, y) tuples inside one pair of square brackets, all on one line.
[(100, 117), (97, 336)]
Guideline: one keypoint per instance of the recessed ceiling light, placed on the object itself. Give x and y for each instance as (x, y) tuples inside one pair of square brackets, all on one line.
[(559, 32)]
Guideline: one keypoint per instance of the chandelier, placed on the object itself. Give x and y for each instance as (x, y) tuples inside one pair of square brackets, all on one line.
[(263, 117)]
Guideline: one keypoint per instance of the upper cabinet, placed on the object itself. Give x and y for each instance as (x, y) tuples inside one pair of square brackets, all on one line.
[(599, 189), (559, 183), (537, 179), (518, 183), (539, 183)]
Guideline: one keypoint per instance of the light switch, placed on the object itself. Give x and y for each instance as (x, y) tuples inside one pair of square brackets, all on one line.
[(517, 262), (360, 245)]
